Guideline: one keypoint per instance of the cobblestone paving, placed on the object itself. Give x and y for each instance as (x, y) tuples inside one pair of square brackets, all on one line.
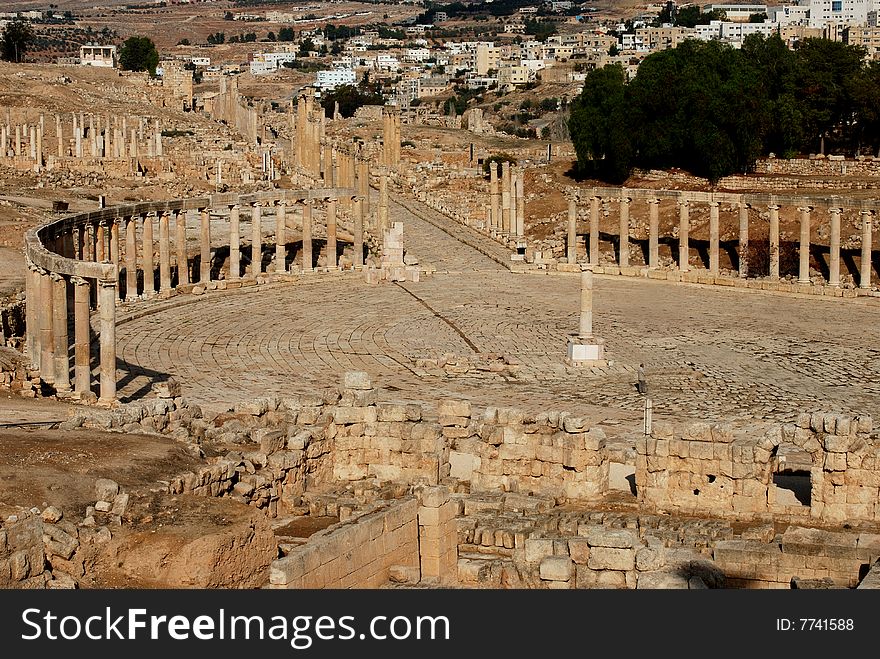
[(710, 354)]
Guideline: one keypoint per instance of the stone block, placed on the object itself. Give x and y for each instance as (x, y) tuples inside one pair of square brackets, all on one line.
[(537, 548), (351, 415), (356, 380), (607, 558), (390, 412), (662, 580), (106, 489), (579, 550), (649, 559), (450, 407), (170, 388), (556, 568), (615, 538), (435, 496)]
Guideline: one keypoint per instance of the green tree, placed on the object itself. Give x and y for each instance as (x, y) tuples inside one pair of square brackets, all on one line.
[(306, 47), (139, 54), (16, 40), (351, 97), (598, 125)]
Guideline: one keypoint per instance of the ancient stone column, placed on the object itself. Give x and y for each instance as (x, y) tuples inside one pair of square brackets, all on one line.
[(743, 239), (114, 241), (653, 233), (585, 328), (594, 231), (101, 243), (47, 328), (149, 272), (158, 139), (520, 205), (180, 249), (164, 253), (505, 198), (331, 233), (130, 259), (774, 241), (714, 238), (93, 143), (865, 265), (78, 141), (804, 250), (40, 146), (205, 245), (32, 143), (511, 195), (256, 239), (495, 223), (834, 256), (281, 237), (571, 245), (59, 330), (59, 135), (358, 232), (234, 243), (81, 354), (683, 227), (90, 242), (17, 145), (383, 204), (32, 305), (107, 293), (307, 235), (133, 146), (623, 233), (364, 184)]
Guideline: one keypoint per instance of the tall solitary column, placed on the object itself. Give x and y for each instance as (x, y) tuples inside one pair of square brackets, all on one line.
[(164, 253), (131, 292), (714, 266), (149, 272), (804, 250), (683, 228), (653, 233), (520, 204), (331, 233), (834, 257), (865, 265), (623, 233), (234, 243), (594, 231), (59, 329), (307, 235), (281, 237), (585, 328), (505, 198), (495, 223), (81, 359), (47, 328), (774, 242), (32, 323), (205, 245), (180, 249), (359, 232), (743, 239), (256, 239), (571, 246), (107, 293), (59, 135)]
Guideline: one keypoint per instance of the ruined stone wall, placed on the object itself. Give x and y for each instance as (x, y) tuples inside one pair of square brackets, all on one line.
[(717, 470), (357, 553), (819, 166), (22, 559)]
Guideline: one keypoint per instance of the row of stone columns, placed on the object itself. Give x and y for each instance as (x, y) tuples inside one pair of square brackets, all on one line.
[(146, 247), (49, 294), (103, 137), (714, 238), (507, 201), (48, 342), (390, 136)]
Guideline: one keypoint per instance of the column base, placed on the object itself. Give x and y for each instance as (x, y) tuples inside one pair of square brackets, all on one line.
[(804, 281), (585, 351)]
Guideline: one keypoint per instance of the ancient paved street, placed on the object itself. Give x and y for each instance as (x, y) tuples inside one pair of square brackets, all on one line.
[(710, 354)]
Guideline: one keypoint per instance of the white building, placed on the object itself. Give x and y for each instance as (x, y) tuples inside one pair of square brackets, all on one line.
[(839, 12), (263, 63), (737, 12), (333, 78), (386, 62), (201, 61), (92, 55), (416, 54)]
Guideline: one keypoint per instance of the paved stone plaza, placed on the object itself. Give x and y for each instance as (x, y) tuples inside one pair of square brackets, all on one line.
[(710, 354)]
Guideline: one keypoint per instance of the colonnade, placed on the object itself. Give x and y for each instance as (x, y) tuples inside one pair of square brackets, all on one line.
[(627, 200), (506, 213), (83, 262)]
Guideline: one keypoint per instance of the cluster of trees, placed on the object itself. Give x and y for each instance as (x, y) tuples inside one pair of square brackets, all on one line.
[(139, 54), (351, 97), (689, 16), (713, 110), (15, 41)]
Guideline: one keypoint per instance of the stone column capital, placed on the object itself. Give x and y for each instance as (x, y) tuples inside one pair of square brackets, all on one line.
[(107, 283), (653, 200), (76, 280), (231, 206), (625, 200), (805, 209), (714, 204), (835, 211), (866, 211), (773, 207), (684, 203)]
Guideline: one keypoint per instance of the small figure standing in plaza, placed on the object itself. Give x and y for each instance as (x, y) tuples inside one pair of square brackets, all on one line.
[(641, 382)]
